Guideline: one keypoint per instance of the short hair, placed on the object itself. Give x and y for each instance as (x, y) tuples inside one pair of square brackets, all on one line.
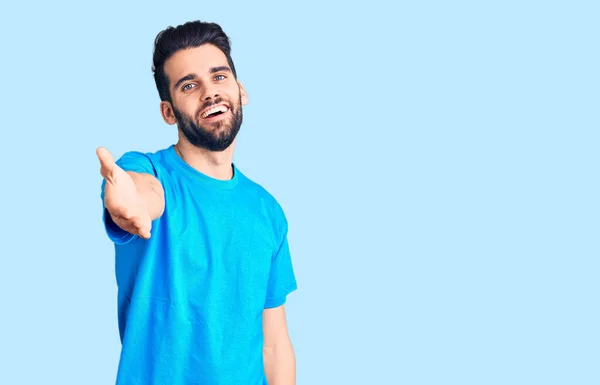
[(189, 35)]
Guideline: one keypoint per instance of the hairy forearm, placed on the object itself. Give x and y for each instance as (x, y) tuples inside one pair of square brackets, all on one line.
[(150, 192), (280, 363)]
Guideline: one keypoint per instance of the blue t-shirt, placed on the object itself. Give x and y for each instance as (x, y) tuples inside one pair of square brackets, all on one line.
[(191, 297)]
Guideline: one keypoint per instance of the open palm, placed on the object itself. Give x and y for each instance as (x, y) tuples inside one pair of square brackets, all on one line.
[(121, 197)]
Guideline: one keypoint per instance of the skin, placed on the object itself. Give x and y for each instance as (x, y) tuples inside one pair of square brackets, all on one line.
[(191, 95), (134, 200)]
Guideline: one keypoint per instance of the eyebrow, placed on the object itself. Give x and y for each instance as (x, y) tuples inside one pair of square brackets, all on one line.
[(220, 69), (191, 76)]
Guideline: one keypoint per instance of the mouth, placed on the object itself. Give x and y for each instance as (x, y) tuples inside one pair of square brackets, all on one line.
[(214, 112)]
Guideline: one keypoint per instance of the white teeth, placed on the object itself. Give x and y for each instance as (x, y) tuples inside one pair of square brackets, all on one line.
[(219, 108)]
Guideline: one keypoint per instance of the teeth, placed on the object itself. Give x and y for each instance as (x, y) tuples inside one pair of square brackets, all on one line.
[(214, 109)]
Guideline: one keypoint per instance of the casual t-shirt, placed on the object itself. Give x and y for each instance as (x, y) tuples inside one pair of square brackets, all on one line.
[(190, 298)]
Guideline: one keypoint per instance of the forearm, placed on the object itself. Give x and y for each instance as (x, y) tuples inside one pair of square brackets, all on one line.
[(150, 192), (280, 363)]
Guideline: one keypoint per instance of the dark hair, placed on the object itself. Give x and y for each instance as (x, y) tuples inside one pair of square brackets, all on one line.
[(189, 35)]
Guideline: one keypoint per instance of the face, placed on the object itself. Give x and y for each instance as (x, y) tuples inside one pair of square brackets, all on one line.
[(206, 98)]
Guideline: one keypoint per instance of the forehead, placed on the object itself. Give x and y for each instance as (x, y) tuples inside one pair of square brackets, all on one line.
[(198, 60)]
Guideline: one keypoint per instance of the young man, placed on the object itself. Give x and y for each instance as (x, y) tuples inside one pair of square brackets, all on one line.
[(202, 259)]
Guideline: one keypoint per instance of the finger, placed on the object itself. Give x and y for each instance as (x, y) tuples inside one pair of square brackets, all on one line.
[(126, 213), (144, 234), (138, 227), (107, 162), (134, 226), (104, 155), (143, 228), (126, 225), (136, 222), (120, 212)]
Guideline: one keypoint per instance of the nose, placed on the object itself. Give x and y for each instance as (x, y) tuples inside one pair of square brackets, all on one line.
[(210, 93)]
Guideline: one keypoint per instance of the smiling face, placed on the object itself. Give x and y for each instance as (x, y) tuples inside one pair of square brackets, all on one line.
[(206, 99)]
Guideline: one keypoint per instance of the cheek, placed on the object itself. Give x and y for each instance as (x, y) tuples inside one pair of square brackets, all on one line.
[(190, 108), (233, 93)]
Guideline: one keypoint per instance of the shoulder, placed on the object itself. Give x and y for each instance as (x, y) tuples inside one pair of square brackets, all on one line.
[(138, 161), (269, 203), (258, 191), (141, 155)]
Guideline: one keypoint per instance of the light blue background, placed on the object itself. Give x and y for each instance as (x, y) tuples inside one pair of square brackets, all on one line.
[(438, 164)]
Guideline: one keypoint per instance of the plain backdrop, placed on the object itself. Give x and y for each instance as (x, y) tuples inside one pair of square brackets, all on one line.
[(437, 162)]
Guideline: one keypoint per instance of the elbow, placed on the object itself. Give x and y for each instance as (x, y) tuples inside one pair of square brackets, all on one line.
[(283, 347), (269, 350)]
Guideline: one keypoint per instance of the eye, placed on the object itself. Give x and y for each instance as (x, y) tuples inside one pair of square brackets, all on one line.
[(220, 77), (188, 87)]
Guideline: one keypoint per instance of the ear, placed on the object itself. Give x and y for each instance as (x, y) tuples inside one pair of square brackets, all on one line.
[(243, 94), (166, 110)]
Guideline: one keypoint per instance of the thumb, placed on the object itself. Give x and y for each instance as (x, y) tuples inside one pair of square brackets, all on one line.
[(107, 162)]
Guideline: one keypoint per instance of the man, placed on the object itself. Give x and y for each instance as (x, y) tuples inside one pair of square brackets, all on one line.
[(202, 259)]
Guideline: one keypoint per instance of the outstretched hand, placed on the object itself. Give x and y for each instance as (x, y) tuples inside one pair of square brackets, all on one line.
[(121, 197)]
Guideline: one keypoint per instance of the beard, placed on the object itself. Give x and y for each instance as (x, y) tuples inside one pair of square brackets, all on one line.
[(214, 136)]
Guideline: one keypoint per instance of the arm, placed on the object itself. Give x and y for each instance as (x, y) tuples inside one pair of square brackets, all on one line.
[(278, 353), (132, 199)]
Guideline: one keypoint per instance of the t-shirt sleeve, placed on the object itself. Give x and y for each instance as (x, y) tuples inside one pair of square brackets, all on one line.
[(130, 161), (282, 280)]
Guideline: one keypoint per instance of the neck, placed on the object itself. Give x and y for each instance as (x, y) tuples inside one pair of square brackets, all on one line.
[(217, 165)]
